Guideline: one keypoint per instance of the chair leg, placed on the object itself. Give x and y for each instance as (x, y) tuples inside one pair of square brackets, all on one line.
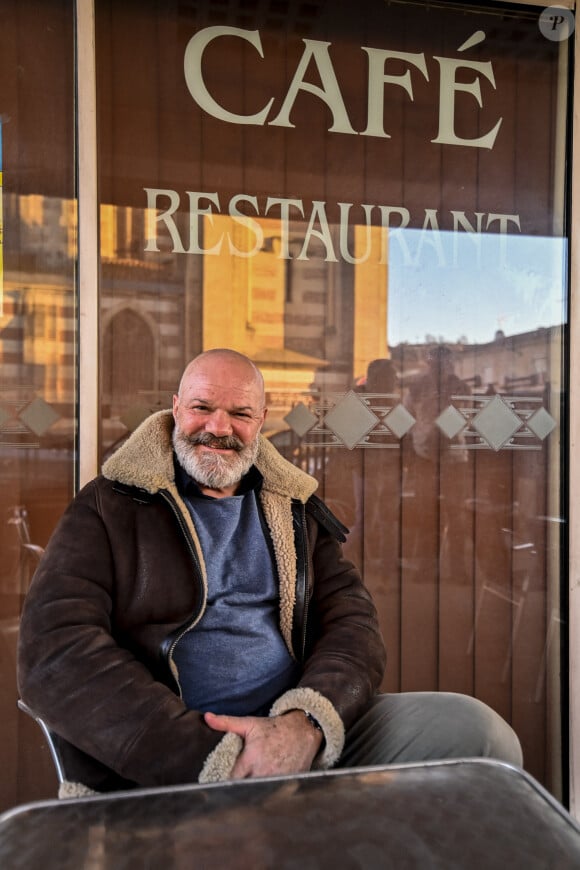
[(48, 734)]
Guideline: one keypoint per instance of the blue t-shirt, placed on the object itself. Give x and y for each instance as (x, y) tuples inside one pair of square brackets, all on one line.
[(235, 660)]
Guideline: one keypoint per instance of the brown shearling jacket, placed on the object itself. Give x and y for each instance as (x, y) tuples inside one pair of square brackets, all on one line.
[(121, 579)]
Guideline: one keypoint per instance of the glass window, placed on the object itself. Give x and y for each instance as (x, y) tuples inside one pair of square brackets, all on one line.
[(38, 234), (368, 200)]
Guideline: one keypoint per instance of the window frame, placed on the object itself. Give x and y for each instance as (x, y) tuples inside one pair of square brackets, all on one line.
[(88, 376)]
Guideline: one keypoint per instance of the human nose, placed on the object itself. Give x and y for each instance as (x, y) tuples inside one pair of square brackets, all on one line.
[(219, 423)]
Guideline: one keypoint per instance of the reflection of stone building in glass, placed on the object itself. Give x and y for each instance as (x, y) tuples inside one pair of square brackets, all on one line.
[(311, 325), (522, 373), (37, 319), (527, 361)]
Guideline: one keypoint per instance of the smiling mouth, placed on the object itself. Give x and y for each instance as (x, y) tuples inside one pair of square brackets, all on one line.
[(227, 444), (216, 448)]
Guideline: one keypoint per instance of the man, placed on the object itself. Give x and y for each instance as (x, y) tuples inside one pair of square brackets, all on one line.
[(194, 619), (440, 474), (426, 398)]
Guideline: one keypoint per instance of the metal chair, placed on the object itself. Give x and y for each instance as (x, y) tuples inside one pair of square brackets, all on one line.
[(67, 788), (50, 739)]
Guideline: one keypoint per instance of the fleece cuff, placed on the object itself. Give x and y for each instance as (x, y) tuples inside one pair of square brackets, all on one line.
[(320, 707), (68, 790), (219, 763)]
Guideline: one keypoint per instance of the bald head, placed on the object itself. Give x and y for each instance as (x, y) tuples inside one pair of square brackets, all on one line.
[(225, 365)]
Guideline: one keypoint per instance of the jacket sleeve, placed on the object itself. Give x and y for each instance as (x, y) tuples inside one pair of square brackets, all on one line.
[(74, 671), (345, 653)]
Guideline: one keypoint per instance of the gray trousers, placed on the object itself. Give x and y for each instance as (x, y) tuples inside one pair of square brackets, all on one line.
[(428, 726)]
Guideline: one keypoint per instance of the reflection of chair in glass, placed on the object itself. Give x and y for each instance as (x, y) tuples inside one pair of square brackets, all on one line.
[(28, 554)]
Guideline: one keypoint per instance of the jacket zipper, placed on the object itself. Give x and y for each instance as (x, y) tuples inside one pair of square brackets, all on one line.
[(306, 554), (168, 498)]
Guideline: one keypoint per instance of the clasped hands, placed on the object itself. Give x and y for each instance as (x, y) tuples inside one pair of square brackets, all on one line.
[(271, 746)]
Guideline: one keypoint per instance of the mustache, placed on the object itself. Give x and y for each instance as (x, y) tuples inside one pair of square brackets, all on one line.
[(224, 442)]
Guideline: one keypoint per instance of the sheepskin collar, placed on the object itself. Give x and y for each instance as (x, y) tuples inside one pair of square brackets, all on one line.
[(145, 460)]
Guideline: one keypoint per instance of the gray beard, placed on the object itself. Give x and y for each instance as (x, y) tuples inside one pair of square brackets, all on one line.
[(214, 471)]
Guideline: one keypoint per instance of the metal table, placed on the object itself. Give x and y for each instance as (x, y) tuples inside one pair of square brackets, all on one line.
[(458, 814)]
